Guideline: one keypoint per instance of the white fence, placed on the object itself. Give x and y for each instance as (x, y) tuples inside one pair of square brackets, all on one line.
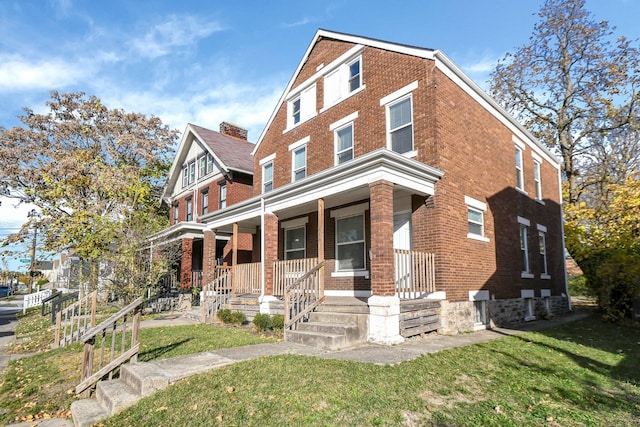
[(35, 299)]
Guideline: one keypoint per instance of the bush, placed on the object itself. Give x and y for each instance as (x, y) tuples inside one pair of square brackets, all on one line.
[(238, 318), (224, 315), (233, 317), (262, 322), (277, 321), (578, 286)]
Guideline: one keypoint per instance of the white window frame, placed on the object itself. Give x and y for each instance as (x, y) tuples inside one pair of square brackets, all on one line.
[(185, 176), (189, 202), (337, 82), (307, 109), (176, 212), (204, 195), (344, 213), (480, 207), (524, 225), (537, 178), (264, 163), (529, 304), (350, 77), (222, 196), (479, 300), (296, 148), (390, 101), (519, 168), (339, 126), (542, 237)]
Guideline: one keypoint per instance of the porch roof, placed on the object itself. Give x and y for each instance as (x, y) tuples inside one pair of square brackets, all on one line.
[(339, 185), (181, 230)]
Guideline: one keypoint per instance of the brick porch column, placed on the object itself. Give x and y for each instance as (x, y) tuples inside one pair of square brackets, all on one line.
[(186, 263), (384, 304), (270, 255), (208, 257)]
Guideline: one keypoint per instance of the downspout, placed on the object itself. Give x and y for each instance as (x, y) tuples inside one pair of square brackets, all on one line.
[(262, 240), (564, 249)]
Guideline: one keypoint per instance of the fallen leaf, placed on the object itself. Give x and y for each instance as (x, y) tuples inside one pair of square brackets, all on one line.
[(161, 409)]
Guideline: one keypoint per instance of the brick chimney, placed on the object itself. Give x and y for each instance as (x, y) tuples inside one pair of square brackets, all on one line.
[(232, 130)]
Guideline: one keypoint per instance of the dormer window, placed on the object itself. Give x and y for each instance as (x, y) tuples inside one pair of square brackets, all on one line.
[(189, 174)]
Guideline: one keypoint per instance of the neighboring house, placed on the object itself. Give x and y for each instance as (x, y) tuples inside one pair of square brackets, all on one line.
[(389, 164), (210, 171)]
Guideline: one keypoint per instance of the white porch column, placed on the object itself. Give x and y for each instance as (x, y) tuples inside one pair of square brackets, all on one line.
[(384, 320)]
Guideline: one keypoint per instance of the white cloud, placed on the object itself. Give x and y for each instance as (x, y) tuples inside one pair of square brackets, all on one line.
[(175, 31), (18, 73)]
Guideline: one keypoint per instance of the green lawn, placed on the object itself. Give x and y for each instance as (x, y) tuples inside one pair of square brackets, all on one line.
[(581, 374)]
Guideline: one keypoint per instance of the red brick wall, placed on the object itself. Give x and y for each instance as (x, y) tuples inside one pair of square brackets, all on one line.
[(382, 264)]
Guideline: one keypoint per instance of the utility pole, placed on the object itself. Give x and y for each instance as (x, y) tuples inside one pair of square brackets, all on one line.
[(32, 268)]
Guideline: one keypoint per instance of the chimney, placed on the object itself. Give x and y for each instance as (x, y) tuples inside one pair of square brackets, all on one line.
[(232, 130)]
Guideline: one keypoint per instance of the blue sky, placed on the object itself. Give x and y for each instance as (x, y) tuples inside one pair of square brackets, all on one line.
[(208, 61)]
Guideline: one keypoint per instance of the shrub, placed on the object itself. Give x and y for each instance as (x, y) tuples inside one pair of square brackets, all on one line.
[(238, 318), (232, 317), (262, 322), (224, 315), (277, 321)]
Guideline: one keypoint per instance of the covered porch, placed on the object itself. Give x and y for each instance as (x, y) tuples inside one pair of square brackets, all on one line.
[(345, 232)]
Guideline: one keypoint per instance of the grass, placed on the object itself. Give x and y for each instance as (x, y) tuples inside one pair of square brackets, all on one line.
[(580, 374), (41, 386)]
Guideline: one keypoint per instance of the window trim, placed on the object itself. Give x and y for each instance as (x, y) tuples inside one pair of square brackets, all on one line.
[(393, 99), (304, 241), (222, 201), (303, 168), (336, 141), (189, 202), (519, 168), (176, 212), (481, 207), (204, 208), (349, 212), (363, 241), (524, 224), (544, 258), (264, 182), (537, 179)]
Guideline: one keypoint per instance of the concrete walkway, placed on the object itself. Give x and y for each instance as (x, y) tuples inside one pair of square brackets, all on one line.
[(181, 367)]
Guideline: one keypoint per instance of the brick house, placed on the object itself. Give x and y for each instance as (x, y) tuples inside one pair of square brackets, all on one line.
[(385, 175), (210, 171)]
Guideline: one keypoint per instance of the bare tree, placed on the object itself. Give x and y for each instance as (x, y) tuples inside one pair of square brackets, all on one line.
[(573, 84)]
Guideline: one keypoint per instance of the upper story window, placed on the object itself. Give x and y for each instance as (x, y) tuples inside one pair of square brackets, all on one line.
[(205, 165), (399, 106), (342, 82), (301, 107), (223, 196), (176, 212), (542, 239), (189, 209), (524, 247), (299, 163), (267, 177), (189, 174), (344, 143), (519, 172), (205, 202), (537, 179)]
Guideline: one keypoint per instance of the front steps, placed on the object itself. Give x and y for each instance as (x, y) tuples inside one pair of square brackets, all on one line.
[(336, 324)]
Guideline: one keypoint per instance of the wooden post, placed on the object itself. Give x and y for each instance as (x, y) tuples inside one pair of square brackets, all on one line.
[(234, 259), (94, 301), (321, 243), (56, 342)]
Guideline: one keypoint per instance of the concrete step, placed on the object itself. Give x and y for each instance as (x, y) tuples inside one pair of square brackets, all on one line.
[(333, 317), (87, 412), (344, 305), (328, 328), (144, 378), (115, 395), (321, 340)]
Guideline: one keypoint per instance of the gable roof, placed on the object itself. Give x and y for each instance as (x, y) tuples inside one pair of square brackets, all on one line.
[(230, 153), (442, 62)]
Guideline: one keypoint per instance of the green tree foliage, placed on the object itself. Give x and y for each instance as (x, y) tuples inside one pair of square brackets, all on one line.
[(604, 239), (576, 86), (95, 174)]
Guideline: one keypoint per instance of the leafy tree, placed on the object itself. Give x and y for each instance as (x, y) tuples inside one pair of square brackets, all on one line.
[(573, 85), (95, 175)]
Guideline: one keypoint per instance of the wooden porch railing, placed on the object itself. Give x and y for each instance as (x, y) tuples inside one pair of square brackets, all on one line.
[(302, 296), (74, 320), (113, 350), (215, 294), (247, 278), (415, 273), (286, 273)]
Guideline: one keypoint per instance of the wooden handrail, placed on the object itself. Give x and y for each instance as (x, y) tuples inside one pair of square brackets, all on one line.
[(303, 296), (74, 320), (115, 358)]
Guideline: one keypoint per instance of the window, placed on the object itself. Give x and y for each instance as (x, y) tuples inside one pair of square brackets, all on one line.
[(401, 126), (542, 239), (350, 243), (524, 248), (189, 209), (536, 178), (529, 304), (189, 174), (205, 202), (519, 173), (480, 312), (176, 212), (302, 106), (185, 176), (223, 196), (354, 75), (267, 177), (344, 144), (475, 218), (202, 166), (299, 163), (294, 243)]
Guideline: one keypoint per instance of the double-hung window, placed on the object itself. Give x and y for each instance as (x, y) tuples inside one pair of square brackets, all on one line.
[(202, 166), (344, 144), (342, 81), (299, 163), (354, 75), (295, 110), (519, 171), (475, 218), (399, 106), (537, 179), (189, 209), (524, 247), (542, 239), (267, 177), (301, 106), (350, 243), (189, 174), (205, 202), (294, 243), (223, 196)]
